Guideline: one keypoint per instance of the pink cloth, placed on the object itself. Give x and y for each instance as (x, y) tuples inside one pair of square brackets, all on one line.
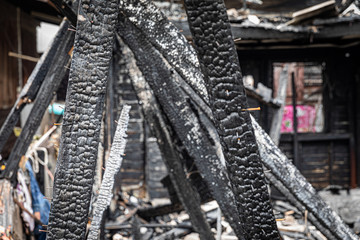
[(305, 118)]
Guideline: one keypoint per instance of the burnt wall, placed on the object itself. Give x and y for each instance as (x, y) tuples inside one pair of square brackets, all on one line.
[(329, 157)]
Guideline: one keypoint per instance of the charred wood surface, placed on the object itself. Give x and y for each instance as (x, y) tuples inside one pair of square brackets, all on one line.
[(188, 197), (113, 165), (183, 120), (212, 36), (53, 78), (33, 84), (167, 39), (151, 212), (93, 47)]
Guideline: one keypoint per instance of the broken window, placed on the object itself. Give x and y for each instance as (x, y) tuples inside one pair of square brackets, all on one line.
[(305, 92)]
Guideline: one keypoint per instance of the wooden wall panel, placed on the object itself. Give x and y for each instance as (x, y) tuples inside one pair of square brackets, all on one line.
[(8, 42)]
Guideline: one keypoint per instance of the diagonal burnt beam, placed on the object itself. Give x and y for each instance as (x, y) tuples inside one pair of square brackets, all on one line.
[(183, 119), (53, 78), (299, 188), (160, 32), (187, 195), (213, 40), (33, 84), (93, 48)]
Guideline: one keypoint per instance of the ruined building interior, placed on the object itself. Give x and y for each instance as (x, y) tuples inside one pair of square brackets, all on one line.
[(180, 119)]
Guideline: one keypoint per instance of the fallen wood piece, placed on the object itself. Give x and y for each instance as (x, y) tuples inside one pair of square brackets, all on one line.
[(113, 165), (189, 198), (328, 7), (116, 226), (33, 84), (74, 177), (179, 232), (53, 78), (151, 212), (252, 92)]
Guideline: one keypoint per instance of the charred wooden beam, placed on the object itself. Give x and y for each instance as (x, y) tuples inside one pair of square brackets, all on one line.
[(188, 197), (252, 92), (113, 165), (93, 47), (150, 212), (212, 36), (53, 78), (33, 84), (183, 120)]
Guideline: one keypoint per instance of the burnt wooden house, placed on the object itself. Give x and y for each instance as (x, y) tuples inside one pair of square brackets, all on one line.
[(322, 51)]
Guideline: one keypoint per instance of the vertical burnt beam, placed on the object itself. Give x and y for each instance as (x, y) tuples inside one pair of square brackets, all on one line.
[(184, 120), (295, 121), (93, 48), (212, 36), (275, 129), (298, 188), (165, 137), (33, 84), (53, 78)]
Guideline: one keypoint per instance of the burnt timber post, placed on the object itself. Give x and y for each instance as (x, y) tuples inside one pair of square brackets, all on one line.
[(212, 36), (93, 48), (295, 121)]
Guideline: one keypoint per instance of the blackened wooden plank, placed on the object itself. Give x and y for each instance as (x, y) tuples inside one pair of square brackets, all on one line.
[(93, 49), (53, 78), (211, 31), (33, 84)]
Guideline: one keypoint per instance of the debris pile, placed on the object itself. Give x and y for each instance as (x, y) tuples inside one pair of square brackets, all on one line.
[(131, 217)]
